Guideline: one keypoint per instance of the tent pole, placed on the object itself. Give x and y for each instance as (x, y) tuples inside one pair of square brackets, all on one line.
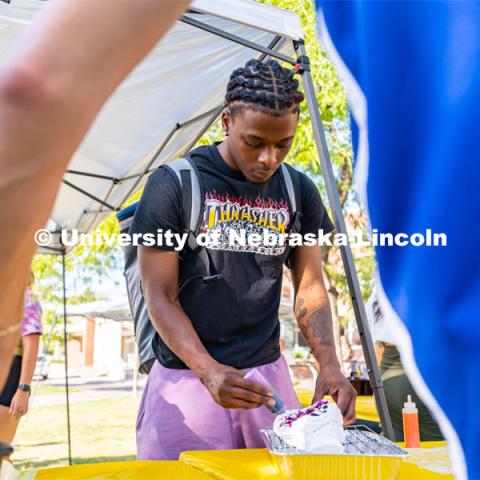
[(210, 122), (150, 163), (271, 46), (237, 39), (66, 357), (346, 252), (93, 175), (89, 195)]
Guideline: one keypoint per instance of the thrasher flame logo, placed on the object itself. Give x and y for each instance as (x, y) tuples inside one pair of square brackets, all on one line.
[(224, 213)]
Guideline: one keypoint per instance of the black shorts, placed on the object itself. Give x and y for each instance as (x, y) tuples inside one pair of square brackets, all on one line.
[(12, 382)]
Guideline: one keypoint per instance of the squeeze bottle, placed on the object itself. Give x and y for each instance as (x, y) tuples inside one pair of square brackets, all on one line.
[(411, 430)]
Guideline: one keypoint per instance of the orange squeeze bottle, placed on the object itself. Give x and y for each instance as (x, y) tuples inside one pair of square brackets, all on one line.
[(411, 430)]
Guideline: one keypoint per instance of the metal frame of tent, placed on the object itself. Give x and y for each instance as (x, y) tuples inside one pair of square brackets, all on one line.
[(302, 66)]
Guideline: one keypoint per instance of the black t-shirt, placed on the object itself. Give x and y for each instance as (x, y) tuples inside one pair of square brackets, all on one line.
[(236, 318)]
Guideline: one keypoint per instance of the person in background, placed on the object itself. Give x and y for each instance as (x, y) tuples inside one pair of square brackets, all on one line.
[(14, 398), (395, 381)]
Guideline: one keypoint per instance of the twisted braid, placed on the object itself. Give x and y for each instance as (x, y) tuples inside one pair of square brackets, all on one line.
[(266, 87)]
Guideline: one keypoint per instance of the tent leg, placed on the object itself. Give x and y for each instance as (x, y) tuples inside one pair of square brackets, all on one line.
[(66, 357), (346, 252)]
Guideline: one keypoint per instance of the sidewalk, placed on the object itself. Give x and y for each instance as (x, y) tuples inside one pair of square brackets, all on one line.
[(88, 385)]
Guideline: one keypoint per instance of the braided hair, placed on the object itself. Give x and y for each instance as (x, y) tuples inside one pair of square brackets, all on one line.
[(263, 86)]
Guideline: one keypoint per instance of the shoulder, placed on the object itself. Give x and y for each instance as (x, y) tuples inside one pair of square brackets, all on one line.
[(162, 185), (304, 186), (314, 216), (202, 152), (301, 177), (32, 318), (164, 176)]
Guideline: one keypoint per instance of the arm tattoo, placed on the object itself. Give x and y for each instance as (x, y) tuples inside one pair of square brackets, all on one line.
[(316, 326)]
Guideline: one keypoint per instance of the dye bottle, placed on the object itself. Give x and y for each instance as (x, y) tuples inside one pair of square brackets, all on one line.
[(411, 429)]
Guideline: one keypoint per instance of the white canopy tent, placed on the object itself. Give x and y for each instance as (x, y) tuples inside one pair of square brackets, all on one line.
[(166, 104), (163, 106), (116, 309)]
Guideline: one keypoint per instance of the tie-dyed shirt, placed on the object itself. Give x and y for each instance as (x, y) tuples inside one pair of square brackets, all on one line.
[(32, 318)]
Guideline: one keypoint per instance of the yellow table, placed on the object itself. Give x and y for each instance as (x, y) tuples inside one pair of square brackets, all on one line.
[(431, 462), (256, 464), (140, 470), (423, 464), (233, 464), (365, 409)]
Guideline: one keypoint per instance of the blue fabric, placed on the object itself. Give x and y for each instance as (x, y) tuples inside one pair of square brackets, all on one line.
[(418, 64)]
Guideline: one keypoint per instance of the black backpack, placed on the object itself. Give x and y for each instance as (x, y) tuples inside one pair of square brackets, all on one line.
[(192, 208)]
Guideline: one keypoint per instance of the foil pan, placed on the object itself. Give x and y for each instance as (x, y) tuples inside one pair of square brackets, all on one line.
[(367, 456)]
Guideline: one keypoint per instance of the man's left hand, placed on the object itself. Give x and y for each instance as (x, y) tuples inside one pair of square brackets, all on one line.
[(331, 381)]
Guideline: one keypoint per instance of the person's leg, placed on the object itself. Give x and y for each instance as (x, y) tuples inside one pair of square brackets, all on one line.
[(8, 424), (248, 423), (49, 96), (397, 386), (178, 413), (393, 378), (8, 427)]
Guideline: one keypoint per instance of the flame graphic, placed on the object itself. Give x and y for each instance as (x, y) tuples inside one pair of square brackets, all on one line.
[(259, 202)]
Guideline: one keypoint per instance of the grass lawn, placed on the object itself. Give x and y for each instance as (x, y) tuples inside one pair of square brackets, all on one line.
[(43, 389), (102, 431)]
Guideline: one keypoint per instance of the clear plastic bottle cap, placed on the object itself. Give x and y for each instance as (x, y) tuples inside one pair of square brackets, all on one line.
[(409, 405)]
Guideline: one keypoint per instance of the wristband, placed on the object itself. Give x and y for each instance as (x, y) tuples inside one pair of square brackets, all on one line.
[(24, 387)]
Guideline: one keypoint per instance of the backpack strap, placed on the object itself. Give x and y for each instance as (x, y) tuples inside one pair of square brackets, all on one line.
[(192, 192), (291, 180), (292, 185), (192, 203), (287, 178)]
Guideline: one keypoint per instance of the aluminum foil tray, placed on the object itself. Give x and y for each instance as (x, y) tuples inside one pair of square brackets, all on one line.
[(367, 456), (360, 441)]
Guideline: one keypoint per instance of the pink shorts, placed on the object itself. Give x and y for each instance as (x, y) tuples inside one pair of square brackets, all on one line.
[(177, 413)]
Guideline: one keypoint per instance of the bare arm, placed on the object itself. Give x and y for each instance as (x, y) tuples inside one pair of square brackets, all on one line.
[(51, 88), (19, 404), (159, 273), (29, 358), (313, 314)]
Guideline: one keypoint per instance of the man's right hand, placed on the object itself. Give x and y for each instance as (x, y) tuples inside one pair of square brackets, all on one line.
[(230, 390)]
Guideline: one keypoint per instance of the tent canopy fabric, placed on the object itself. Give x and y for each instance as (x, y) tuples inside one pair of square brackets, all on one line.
[(161, 109), (116, 309), (119, 309)]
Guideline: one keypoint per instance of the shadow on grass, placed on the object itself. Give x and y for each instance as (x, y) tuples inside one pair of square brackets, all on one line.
[(33, 464), (27, 445), (124, 458)]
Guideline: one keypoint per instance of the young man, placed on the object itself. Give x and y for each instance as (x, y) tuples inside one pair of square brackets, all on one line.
[(196, 396)]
